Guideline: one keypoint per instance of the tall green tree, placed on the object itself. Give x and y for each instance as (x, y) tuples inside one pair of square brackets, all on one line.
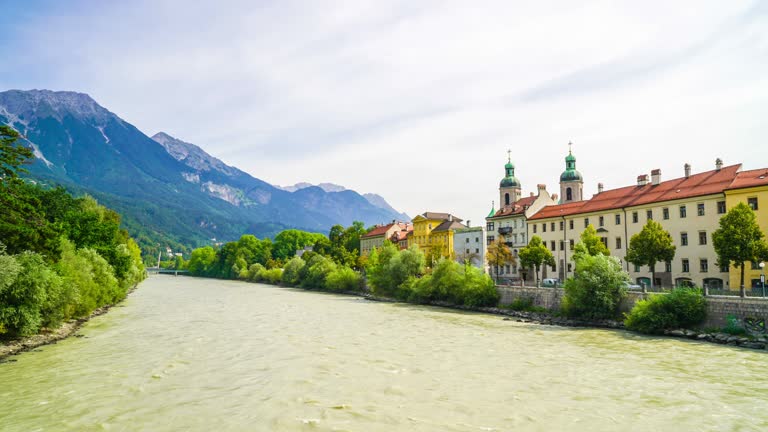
[(536, 254), (593, 242), (651, 245), (739, 240), (12, 154), (597, 287)]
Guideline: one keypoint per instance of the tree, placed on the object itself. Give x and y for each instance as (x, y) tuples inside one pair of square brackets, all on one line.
[(597, 287), (536, 254), (499, 255), (593, 242), (739, 240), (12, 155), (651, 245)]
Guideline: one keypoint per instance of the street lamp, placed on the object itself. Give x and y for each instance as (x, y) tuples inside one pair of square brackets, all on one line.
[(762, 276)]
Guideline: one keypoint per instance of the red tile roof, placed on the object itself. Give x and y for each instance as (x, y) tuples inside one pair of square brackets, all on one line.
[(517, 207), (706, 183), (751, 178), (381, 230)]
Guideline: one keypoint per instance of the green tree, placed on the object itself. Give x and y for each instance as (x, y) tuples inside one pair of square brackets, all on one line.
[(739, 240), (682, 308), (12, 154), (536, 254), (592, 242), (651, 245), (201, 261), (597, 287), (287, 242), (499, 255)]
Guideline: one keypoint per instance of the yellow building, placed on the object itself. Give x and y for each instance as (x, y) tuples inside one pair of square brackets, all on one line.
[(751, 188), (433, 233)]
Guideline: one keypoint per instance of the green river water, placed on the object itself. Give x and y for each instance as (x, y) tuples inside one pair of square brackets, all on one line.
[(207, 355)]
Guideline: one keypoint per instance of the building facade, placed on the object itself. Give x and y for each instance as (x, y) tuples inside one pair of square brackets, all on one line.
[(394, 232), (433, 233), (469, 246), (688, 207)]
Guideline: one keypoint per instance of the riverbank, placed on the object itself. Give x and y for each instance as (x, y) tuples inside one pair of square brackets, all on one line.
[(17, 346)]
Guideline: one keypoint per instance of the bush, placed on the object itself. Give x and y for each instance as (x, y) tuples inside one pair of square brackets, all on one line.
[(451, 282), (682, 308), (254, 272), (343, 278), (597, 288), (292, 271), (273, 276), (733, 327), (389, 269), (90, 276), (33, 298), (318, 269), (524, 304)]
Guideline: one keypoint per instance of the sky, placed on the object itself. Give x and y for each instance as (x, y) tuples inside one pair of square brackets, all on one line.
[(418, 101)]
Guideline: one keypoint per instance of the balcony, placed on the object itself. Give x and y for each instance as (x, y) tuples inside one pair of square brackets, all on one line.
[(505, 230)]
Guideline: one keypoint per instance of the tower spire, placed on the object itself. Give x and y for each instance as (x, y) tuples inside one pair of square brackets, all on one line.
[(509, 155), (569, 147)]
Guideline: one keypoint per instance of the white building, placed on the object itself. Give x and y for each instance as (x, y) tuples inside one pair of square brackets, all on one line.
[(469, 245)]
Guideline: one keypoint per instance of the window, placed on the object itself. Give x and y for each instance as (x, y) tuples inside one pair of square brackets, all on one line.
[(637, 268), (554, 269), (702, 237), (704, 265), (724, 268), (634, 217), (649, 214), (568, 194), (602, 221), (467, 239), (490, 239), (604, 240), (682, 212), (507, 268), (514, 238), (562, 225), (752, 202), (534, 228), (562, 245), (618, 219), (570, 244), (544, 227), (553, 227), (467, 250), (668, 267), (665, 213), (489, 227), (570, 267), (522, 238), (506, 199), (570, 224), (477, 239), (755, 265), (700, 209), (684, 239), (686, 266), (477, 250), (586, 222), (721, 207), (552, 245), (430, 226), (618, 242)]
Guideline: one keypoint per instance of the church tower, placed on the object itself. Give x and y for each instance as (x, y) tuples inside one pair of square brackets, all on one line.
[(571, 182), (509, 187)]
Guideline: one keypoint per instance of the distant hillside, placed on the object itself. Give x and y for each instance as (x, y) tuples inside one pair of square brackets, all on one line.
[(375, 199), (167, 190)]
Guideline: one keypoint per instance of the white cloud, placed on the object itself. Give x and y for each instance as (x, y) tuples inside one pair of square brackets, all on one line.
[(419, 101)]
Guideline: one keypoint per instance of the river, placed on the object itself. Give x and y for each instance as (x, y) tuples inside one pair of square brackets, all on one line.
[(195, 354)]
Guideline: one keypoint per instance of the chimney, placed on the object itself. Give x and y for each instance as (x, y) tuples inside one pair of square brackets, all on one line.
[(599, 188), (554, 197), (450, 218), (642, 180), (541, 188), (532, 194), (687, 170), (718, 164), (656, 176), (469, 223)]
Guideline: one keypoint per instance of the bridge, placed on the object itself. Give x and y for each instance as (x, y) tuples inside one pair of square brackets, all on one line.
[(156, 270)]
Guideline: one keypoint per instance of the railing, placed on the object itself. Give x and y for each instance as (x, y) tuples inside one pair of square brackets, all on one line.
[(505, 230), (155, 270)]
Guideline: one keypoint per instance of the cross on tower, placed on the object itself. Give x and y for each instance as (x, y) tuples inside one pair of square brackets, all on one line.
[(569, 147), (509, 155)]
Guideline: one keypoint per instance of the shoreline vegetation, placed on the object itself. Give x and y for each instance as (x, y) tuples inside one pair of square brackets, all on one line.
[(67, 329)]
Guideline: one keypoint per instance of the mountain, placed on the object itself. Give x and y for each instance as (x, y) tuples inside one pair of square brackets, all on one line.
[(168, 191), (374, 199)]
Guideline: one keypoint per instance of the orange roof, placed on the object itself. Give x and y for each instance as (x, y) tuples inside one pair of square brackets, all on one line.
[(706, 183), (751, 178), (381, 230), (517, 207)]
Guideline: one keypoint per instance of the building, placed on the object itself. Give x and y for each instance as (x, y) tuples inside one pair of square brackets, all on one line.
[(394, 232), (469, 245), (751, 188), (689, 207), (509, 223), (433, 233)]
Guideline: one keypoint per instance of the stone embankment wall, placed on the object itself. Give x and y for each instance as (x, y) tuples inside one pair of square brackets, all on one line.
[(750, 312)]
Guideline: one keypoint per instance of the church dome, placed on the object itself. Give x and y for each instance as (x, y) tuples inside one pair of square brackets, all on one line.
[(509, 179), (570, 173)]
